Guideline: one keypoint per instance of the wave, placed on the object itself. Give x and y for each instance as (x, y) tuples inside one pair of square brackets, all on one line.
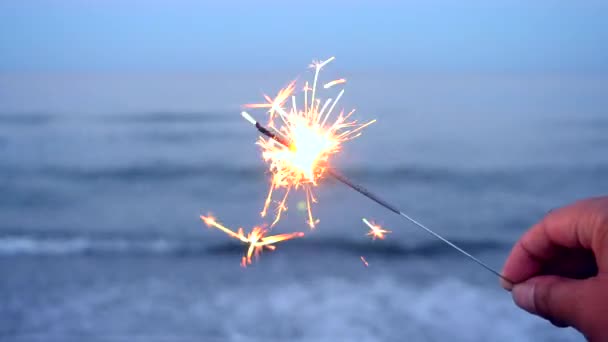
[(470, 179), (595, 123), (81, 245), (172, 117), (151, 172), (477, 177), (32, 245), (32, 119), (26, 119), (180, 137)]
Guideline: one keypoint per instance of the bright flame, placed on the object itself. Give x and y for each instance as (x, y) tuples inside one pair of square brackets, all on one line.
[(256, 239), (312, 138), (376, 231)]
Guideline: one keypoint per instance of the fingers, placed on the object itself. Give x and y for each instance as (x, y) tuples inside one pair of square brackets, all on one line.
[(565, 302), (583, 225), (572, 263), (528, 255), (553, 298)]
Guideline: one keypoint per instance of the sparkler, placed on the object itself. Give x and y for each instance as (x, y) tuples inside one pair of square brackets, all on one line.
[(375, 231), (256, 239), (299, 149)]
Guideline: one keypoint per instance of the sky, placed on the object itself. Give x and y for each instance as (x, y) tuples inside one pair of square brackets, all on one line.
[(113, 35)]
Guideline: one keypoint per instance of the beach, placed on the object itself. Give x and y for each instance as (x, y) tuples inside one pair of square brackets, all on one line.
[(101, 240)]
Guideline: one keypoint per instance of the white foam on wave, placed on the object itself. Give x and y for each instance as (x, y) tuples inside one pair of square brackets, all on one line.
[(23, 245), (321, 308), (384, 310)]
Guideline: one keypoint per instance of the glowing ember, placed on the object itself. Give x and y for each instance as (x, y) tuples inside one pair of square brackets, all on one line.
[(312, 138), (256, 239), (375, 231), (364, 261)]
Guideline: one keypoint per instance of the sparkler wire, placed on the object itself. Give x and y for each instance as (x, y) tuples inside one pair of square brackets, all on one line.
[(363, 191), (334, 173)]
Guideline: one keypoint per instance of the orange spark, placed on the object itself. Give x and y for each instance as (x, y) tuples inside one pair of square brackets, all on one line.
[(364, 261), (256, 239), (376, 231), (312, 140), (334, 82)]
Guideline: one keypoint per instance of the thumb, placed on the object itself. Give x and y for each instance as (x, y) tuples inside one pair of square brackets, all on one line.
[(559, 300)]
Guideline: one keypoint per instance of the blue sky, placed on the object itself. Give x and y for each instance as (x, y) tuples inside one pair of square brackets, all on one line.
[(64, 35)]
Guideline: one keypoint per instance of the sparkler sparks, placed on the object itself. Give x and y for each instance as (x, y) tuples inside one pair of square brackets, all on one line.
[(300, 141), (301, 159), (364, 261), (297, 145), (256, 239), (333, 83), (375, 231)]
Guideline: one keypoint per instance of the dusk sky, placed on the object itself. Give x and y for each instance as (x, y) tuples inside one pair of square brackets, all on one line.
[(68, 35)]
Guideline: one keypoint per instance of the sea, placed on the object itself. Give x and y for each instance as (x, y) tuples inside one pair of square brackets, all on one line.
[(103, 177)]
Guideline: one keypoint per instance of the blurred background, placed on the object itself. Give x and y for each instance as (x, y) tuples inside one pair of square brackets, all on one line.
[(120, 125)]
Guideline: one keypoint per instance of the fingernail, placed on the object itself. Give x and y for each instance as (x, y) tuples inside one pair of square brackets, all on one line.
[(506, 284), (523, 296)]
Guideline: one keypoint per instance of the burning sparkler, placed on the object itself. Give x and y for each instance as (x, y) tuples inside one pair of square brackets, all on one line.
[(300, 140), (256, 239), (298, 150), (375, 231)]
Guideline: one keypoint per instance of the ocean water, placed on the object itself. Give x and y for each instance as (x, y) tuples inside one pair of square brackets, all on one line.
[(102, 180)]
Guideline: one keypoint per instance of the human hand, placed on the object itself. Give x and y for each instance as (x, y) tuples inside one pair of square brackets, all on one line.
[(559, 268)]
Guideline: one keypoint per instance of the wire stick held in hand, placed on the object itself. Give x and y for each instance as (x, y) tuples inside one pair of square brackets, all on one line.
[(344, 180), (388, 206)]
